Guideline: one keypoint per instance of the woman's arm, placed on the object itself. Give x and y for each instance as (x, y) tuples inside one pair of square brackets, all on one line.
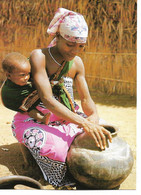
[(92, 128), (87, 103)]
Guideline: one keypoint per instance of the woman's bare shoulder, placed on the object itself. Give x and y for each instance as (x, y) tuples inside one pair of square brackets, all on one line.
[(78, 62), (37, 58), (37, 53), (78, 59)]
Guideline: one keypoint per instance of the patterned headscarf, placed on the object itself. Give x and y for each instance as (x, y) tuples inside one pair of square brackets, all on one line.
[(71, 26)]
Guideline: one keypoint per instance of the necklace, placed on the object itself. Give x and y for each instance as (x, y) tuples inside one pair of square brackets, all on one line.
[(53, 57)]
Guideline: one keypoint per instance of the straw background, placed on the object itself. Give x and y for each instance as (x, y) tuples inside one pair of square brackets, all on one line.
[(110, 53)]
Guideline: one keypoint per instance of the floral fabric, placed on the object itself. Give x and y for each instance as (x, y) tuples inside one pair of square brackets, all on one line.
[(71, 26)]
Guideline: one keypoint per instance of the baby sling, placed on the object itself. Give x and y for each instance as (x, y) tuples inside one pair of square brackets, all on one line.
[(58, 87)]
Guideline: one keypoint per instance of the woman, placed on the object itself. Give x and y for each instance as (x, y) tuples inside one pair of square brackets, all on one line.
[(49, 144)]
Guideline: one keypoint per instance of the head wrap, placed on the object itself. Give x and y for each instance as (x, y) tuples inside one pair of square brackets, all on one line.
[(71, 26)]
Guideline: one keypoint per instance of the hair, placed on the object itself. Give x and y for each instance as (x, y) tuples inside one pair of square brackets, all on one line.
[(8, 64)]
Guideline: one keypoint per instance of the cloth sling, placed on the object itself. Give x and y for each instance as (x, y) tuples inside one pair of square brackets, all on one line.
[(58, 87)]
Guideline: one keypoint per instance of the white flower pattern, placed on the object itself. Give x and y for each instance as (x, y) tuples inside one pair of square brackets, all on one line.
[(34, 138)]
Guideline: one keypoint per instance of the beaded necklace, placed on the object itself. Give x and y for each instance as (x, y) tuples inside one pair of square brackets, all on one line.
[(53, 57)]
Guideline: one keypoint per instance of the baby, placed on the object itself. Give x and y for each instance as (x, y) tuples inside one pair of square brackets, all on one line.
[(17, 92)]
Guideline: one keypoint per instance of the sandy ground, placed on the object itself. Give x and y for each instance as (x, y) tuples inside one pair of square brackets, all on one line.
[(118, 110)]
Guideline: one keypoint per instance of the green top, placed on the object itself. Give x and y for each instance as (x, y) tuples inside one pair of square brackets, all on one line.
[(64, 71), (58, 89), (19, 98)]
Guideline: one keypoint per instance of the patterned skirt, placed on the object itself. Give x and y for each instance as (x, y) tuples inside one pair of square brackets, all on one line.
[(48, 144)]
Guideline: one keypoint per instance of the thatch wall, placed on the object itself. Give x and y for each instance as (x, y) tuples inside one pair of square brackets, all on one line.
[(110, 54)]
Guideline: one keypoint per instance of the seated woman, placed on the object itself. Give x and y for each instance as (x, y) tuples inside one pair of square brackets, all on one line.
[(49, 144)]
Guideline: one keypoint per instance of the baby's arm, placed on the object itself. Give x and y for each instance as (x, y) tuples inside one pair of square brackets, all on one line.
[(36, 114)]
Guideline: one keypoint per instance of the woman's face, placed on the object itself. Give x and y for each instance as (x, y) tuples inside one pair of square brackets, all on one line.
[(21, 74), (67, 49)]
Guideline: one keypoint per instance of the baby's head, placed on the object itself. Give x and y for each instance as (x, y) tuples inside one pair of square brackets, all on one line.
[(17, 68)]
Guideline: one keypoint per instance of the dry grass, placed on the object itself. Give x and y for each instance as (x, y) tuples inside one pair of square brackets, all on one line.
[(110, 54)]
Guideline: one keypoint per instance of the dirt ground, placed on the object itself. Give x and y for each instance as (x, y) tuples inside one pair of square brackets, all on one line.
[(118, 110)]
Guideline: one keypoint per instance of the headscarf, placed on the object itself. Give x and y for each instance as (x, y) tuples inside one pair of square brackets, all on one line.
[(71, 26)]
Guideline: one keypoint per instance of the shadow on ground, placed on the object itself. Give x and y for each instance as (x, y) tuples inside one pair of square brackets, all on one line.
[(111, 100), (11, 157)]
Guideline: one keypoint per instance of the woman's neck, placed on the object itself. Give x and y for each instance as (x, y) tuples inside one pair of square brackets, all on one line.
[(56, 55)]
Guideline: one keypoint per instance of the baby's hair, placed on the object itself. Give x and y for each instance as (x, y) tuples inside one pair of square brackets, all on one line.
[(8, 64)]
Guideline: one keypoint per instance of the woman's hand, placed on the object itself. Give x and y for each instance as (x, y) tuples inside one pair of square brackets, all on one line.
[(98, 133)]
